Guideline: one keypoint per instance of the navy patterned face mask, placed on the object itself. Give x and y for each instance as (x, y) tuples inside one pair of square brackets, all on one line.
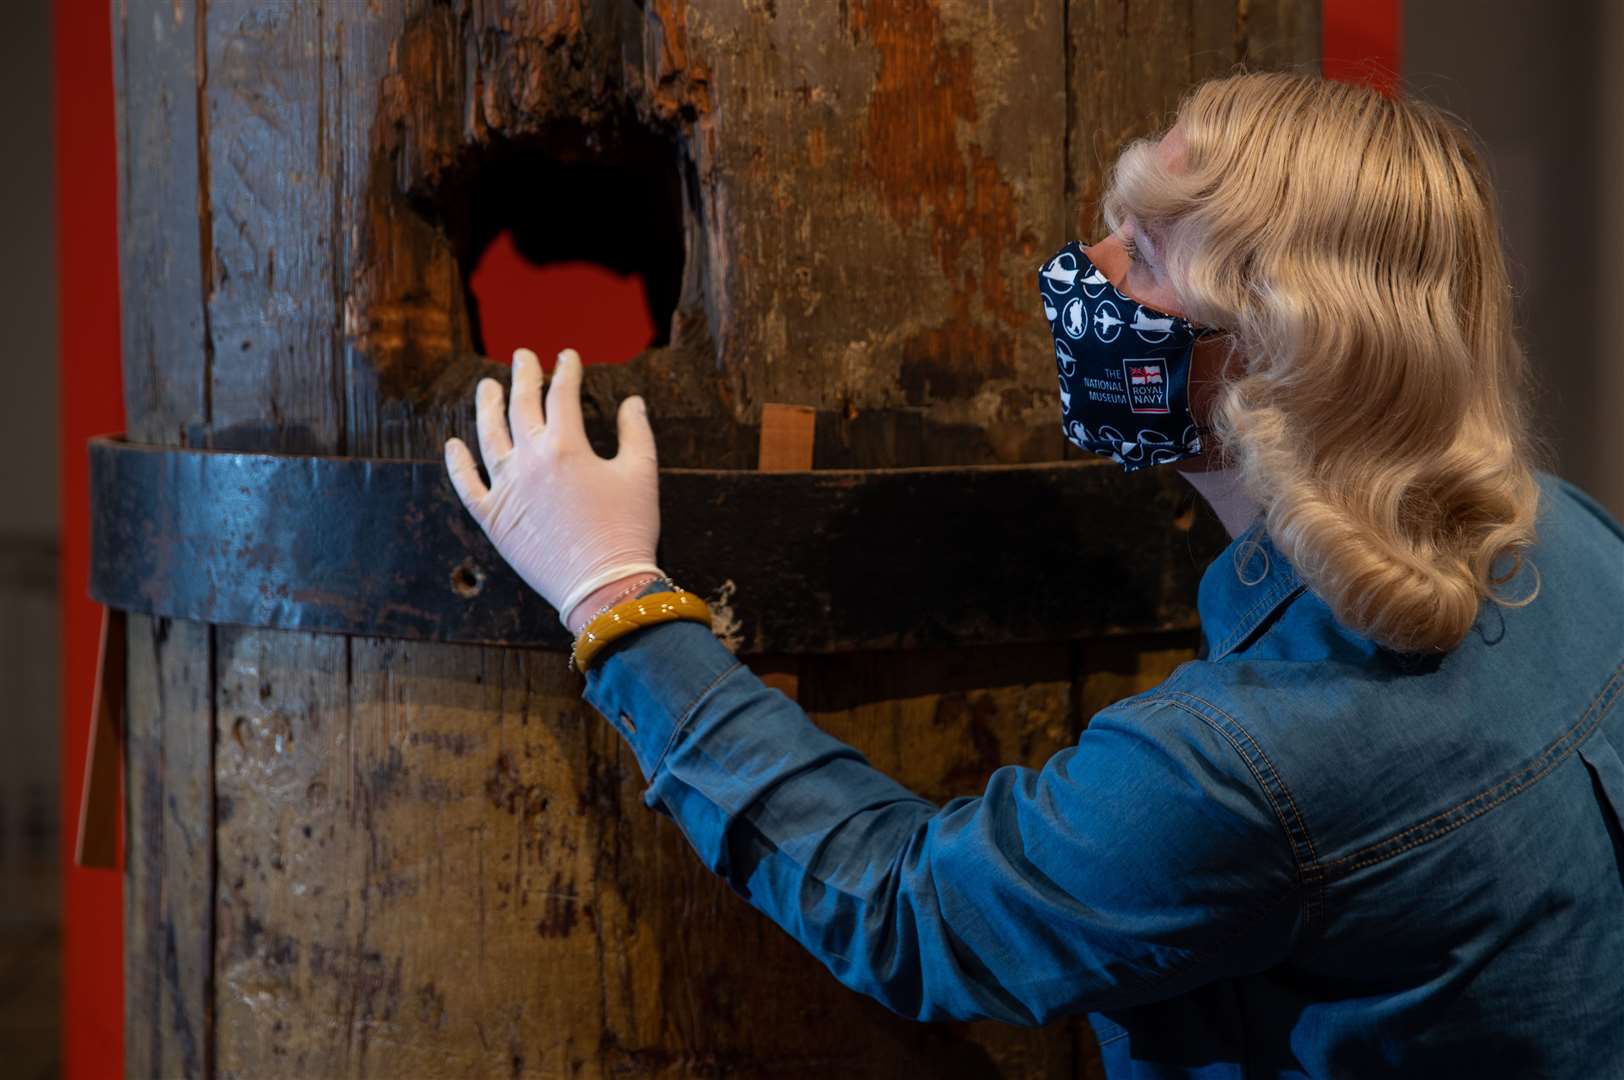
[(1124, 367)]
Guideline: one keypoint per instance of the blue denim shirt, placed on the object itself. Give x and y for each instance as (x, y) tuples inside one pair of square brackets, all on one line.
[(1300, 855)]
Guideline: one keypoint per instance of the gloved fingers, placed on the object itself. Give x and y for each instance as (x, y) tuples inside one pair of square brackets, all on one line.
[(494, 443), (636, 438), (564, 400), (464, 475), (524, 405)]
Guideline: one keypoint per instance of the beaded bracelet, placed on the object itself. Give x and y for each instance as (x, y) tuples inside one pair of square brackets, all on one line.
[(633, 614)]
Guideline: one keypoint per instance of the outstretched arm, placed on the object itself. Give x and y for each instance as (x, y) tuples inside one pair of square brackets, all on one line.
[(1135, 865), (1142, 862)]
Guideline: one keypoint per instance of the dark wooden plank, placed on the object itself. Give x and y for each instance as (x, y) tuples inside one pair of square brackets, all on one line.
[(169, 853), (1132, 63), (284, 786), (163, 245), (276, 117), (1281, 33), (274, 107), (161, 248)]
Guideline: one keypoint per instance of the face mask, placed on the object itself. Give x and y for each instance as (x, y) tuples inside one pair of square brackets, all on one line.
[(1124, 367)]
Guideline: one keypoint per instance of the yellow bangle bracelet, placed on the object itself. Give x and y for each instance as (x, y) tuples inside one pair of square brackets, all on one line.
[(633, 614)]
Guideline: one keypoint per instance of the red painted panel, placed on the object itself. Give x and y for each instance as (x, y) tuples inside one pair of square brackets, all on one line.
[(1359, 41), (602, 315), (92, 402)]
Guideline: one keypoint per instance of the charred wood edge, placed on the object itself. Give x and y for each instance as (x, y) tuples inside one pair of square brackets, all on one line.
[(826, 560)]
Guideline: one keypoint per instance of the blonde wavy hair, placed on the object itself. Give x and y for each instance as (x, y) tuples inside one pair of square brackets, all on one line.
[(1349, 243)]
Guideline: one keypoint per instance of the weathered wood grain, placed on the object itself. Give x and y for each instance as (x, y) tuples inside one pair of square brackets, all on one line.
[(162, 236), (360, 857), (169, 854), (1132, 63), (169, 849), (273, 109)]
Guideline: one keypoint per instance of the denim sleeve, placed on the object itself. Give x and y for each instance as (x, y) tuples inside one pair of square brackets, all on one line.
[(1133, 866)]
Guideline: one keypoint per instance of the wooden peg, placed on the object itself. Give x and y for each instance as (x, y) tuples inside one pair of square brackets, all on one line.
[(786, 437), (786, 446)]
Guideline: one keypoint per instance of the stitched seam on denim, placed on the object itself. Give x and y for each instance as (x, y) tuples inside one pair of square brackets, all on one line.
[(1123, 1034), (1525, 778), (687, 714), (1554, 746), (1283, 597), (1479, 812), (1297, 814), (1251, 767), (1240, 630), (1247, 623), (1311, 875)]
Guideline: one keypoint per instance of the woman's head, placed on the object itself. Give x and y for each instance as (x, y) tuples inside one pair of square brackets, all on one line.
[(1377, 404)]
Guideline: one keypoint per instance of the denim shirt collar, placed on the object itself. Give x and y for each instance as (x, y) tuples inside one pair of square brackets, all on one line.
[(1246, 584)]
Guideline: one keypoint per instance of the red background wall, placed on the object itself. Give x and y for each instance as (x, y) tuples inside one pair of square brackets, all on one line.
[(565, 305), (1359, 41), (92, 402)]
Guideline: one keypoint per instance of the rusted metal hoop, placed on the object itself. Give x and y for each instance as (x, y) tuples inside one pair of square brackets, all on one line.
[(825, 560)]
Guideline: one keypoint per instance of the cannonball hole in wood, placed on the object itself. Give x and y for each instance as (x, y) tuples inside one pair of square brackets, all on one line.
[(579, 201)]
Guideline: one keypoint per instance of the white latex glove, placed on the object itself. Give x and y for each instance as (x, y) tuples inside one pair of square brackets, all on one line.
[(566, 520)]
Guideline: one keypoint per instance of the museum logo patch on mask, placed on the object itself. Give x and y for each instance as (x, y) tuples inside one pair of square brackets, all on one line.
[(1146, 381)]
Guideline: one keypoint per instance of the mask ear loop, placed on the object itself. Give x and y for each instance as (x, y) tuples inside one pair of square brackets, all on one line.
[(1201, 331)]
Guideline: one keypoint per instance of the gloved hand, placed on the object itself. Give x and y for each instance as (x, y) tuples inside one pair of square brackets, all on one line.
[(566, 520)]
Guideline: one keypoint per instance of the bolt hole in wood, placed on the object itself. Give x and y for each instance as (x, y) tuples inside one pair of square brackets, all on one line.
[(567, 237), (467, 579)]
